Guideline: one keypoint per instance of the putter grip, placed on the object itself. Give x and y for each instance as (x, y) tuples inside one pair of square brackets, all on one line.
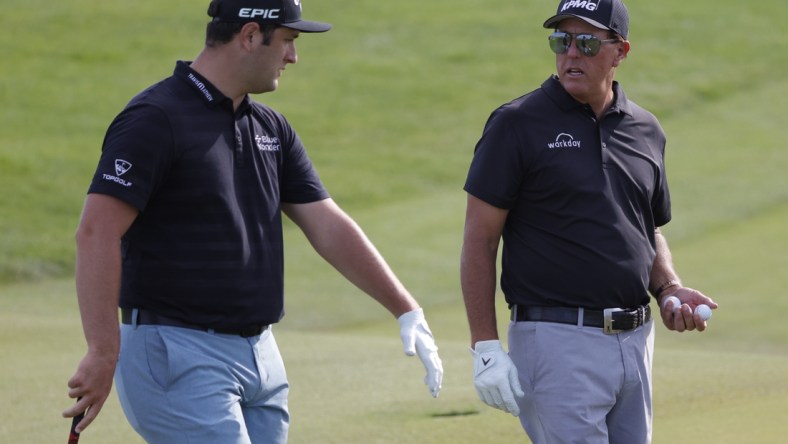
[(73, 436)]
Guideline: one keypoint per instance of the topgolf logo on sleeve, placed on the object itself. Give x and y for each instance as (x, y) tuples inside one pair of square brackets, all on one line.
[(121, 168)]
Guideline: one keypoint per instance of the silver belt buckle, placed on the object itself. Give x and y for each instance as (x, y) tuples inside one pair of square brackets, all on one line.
[(608, 327)]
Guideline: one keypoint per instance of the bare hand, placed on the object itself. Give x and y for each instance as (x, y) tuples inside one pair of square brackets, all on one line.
[(91, 385), (684, 318)]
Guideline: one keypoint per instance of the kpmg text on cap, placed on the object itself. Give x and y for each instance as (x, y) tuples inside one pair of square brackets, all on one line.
[(591, 6)]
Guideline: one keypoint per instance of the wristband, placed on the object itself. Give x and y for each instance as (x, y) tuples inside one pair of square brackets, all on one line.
[(665, 286)]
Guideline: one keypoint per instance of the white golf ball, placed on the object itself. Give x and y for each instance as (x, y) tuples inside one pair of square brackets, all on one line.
[(703, 311), (675, 300)]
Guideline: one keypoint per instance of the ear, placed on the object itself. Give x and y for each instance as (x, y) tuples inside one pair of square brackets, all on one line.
[(623, 51), (247, 34)]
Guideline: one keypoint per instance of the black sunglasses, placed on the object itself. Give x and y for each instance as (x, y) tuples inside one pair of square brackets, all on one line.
[(588, 44)]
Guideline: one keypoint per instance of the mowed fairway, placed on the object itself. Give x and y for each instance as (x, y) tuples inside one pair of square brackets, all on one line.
[(390, 104)]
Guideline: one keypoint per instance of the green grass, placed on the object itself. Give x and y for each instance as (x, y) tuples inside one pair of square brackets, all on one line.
[(352, 383), (390, 104)]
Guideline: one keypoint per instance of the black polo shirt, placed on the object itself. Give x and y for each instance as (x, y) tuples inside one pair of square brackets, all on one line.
[(208, 181), (584, 197)]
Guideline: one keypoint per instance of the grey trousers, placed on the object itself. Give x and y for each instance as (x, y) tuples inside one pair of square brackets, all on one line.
[(581, 385), (182, 386)]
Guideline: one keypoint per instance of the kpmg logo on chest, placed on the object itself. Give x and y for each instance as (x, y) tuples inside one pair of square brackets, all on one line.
[(121, 168), (564, 140), (266, 143)]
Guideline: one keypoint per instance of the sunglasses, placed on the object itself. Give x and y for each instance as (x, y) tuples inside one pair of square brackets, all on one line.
[(588, 44)]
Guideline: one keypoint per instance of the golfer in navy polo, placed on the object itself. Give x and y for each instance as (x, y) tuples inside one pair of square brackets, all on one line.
[(182, 229), (571, 177)]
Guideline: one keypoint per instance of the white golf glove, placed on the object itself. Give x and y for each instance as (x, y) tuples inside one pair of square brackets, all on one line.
[(417, 338), (495, 377)]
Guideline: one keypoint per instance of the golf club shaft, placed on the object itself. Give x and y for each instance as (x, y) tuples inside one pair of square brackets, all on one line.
[(73, 436)]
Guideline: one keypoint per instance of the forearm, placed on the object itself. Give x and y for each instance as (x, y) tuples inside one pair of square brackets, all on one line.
[(663, 277), (478, 279), (98, 284), (345, 246), (104, 221)]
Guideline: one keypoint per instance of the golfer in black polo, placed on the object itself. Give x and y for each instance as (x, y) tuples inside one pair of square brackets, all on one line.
[(571, 177), (182, 228)]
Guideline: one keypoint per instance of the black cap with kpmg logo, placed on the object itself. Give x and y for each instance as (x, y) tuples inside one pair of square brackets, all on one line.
[(285, 13), (604, 14)]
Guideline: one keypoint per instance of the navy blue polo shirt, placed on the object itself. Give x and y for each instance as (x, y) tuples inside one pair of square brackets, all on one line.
[(208, 181), (584, 197)]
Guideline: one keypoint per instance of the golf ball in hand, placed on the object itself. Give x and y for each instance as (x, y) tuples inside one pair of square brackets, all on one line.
[(703, 311), (675, 300)]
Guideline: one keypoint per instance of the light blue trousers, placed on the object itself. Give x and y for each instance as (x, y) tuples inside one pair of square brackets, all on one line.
[(581, 385), (178, 385)]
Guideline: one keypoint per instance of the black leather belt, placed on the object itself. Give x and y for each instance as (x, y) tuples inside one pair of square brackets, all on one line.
[(612, 320), (145, 317)]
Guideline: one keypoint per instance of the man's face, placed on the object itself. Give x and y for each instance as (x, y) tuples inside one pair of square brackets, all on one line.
[(271, 59), (588, 78)]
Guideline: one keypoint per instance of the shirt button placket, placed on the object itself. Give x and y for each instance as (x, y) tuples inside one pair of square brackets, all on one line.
[(239, 147)]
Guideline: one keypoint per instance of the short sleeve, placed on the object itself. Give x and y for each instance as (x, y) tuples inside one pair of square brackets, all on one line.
[(135, 155), (496, 172)]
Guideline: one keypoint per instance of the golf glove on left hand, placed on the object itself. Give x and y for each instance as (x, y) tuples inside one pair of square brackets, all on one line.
[(495, 377), (417, 339)]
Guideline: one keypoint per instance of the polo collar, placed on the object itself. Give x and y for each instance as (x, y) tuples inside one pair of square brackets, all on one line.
[(201, 86), (620, 101)]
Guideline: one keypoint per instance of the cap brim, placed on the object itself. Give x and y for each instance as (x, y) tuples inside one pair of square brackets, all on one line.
[(307, 26), (554, 20)]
